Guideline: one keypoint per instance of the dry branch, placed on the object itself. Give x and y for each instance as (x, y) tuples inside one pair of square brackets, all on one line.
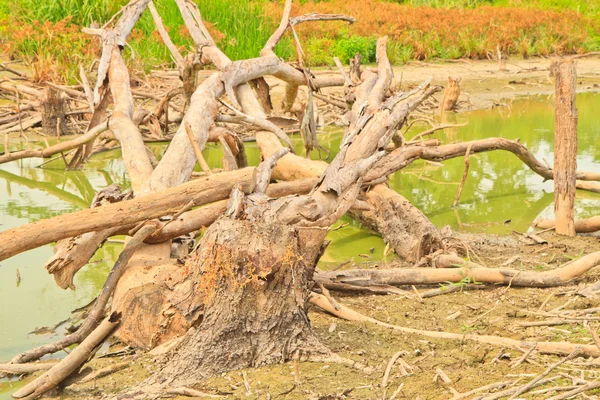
[(562, 348), (98, 309), (461, 270), (63, 369), (57, 148)]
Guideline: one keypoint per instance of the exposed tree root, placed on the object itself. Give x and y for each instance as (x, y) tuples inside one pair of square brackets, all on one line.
[(562, 348)]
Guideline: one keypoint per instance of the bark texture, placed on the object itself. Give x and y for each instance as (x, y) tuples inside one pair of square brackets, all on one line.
[(565, 147), (403, 226), (251, 295)]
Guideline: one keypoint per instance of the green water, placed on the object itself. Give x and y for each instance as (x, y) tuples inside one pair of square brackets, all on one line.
[(499, 188)]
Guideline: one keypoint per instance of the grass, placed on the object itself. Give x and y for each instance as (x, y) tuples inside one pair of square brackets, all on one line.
[(46, 33)]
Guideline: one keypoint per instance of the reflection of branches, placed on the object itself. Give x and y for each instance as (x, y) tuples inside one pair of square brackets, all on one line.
[(45, 187)]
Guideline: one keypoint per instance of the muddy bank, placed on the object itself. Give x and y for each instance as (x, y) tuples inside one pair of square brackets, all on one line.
[(491, 310), (483, 84)]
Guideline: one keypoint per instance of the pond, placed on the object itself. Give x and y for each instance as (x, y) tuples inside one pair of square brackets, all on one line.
[(501, 194)]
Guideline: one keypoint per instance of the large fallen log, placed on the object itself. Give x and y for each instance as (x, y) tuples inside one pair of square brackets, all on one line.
[(170, 201), (456, 270), (64, 268)]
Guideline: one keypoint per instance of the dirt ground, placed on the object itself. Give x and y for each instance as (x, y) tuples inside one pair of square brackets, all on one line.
[(491, 310)]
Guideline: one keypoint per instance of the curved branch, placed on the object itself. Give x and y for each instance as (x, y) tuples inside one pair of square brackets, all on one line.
[(403, 156)]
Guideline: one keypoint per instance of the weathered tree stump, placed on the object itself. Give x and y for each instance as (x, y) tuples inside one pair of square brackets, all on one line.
[(451, 95), (252, 282), (54, 121)]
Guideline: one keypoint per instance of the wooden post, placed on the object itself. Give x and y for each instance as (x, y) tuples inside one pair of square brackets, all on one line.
[(565, 146)]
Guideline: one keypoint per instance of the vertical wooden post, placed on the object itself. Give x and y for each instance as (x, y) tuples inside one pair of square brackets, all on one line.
[(565, 146)]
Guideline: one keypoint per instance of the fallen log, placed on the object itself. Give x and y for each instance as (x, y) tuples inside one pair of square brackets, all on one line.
[(170, 201), (18, 369), (588, 225), (81, 249), (403, 226), (456, 270)]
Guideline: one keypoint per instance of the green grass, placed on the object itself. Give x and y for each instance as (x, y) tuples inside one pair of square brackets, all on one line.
[(241, 27)]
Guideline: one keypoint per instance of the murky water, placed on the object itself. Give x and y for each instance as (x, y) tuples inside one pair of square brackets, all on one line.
[(500, 188)]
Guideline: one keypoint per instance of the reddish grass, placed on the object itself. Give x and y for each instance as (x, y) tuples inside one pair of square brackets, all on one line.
[(470, 33)]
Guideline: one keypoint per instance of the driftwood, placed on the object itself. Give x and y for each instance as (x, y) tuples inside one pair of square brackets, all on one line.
[(98, 309), (560, 348), (565, 147), (587, 225), (57, 148), (18, 369), (454, 269), (76, 358)]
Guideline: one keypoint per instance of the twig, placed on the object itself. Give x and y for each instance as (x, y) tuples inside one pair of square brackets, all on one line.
[(184, 391), (104, 372), (197, 150), (523, 357), (386, 375), (497, 385), (528, 386), (464, 177), (572, 393)]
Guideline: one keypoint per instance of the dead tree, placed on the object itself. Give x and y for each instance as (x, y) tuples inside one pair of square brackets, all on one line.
[(565, 146)]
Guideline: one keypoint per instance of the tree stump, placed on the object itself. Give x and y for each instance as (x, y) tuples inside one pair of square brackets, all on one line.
[(565, 146), (54, 121), (252, 281), (451, 95)]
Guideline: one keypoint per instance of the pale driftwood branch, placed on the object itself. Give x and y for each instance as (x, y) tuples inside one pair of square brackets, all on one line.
[(402, 157), (263, 124), (460, 270), (137, 162), (18, 369), (165, 36), (98, 309), (112, 39), (265, 169), (561, 348), (197, 149), (76, 358), (57, 148), (588, 225)]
